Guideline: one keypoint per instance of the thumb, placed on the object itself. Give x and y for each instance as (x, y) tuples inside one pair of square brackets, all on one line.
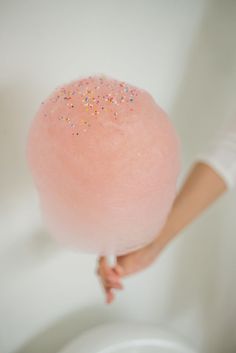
[(119, 269)]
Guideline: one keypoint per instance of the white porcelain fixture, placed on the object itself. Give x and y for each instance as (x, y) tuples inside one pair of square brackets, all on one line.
[(127, 338)]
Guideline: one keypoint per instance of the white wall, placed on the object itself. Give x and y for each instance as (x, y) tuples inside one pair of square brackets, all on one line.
[(184, 53)]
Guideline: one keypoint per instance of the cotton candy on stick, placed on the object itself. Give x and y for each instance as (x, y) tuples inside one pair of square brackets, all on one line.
[(105, 160)]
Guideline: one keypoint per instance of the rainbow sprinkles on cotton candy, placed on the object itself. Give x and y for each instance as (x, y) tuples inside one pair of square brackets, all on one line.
[(105, 160)]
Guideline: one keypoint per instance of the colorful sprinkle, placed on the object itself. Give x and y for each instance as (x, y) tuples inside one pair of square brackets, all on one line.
[(88, 99)]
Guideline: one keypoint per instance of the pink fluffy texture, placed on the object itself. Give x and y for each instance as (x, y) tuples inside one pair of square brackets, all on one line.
[(105, 160)]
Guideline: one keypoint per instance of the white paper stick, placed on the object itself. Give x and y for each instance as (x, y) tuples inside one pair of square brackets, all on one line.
[(111, 260)]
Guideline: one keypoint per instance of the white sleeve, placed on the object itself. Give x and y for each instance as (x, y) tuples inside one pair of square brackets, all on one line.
[(221, 154)]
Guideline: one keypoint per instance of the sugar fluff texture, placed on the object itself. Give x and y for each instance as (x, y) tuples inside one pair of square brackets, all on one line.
[(105, 160)]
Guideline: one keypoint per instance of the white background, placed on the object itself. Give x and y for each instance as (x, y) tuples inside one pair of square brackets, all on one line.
[(183, 52)]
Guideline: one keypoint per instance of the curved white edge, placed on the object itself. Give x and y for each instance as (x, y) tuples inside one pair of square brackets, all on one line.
[(111, 337), (148, 343)]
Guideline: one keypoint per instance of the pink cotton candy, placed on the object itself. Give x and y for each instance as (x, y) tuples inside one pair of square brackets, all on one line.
[(105, 160)]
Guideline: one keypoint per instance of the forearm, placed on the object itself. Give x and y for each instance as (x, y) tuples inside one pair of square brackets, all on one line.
[(201, 188)]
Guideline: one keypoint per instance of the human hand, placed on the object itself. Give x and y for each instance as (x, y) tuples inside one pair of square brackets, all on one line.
[(128, 264)]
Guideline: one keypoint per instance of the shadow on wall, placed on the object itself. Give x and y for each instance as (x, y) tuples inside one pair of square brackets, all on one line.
[(14, 128), (30, 250), (206, 98)]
